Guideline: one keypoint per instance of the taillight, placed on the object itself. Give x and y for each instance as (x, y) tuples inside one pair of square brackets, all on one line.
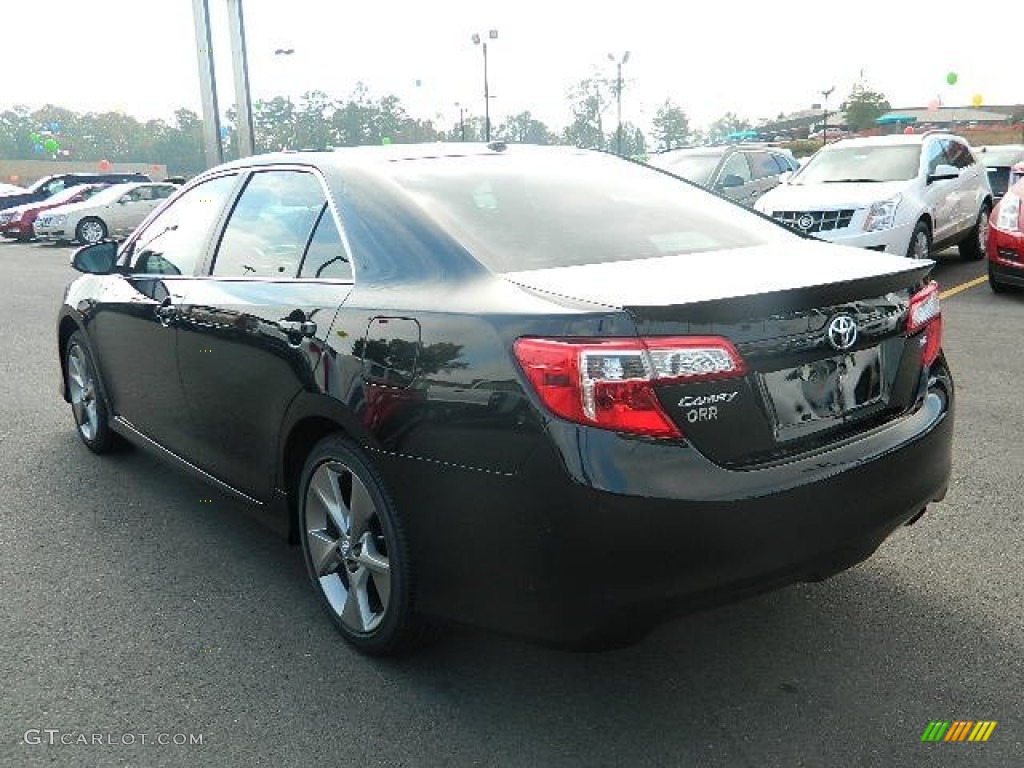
[(609, 383), (926, 313)]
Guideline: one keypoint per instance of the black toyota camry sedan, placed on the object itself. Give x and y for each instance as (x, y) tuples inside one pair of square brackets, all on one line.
[(544, 391)]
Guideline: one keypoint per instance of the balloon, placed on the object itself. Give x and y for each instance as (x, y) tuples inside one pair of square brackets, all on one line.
[(224, 131), (933, 105), (951, 78), (38, 147), (908, 130), (34, 137), (50, 145), (385, 141), (55, 127), (976, 100), (104, 165)]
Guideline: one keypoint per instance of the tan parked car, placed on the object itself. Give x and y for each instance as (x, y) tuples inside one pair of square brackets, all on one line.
[(114, 212)]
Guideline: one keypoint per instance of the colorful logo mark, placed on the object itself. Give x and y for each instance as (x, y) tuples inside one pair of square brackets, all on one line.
[(958, 730)]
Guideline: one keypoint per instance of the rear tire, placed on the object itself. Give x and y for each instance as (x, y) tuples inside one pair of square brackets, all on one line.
[(356, 550), (973, 246), (920, 241), (87, 404)]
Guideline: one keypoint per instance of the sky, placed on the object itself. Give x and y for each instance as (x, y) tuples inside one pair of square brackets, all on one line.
[(755, 59)]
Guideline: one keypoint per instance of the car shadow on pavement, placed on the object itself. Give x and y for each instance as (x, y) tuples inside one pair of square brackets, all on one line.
[(173, 585)]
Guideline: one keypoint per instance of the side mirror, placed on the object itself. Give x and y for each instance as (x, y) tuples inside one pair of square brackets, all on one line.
[(785, 176), (123, 200), (730, 181), (943, 172), (95, 259)]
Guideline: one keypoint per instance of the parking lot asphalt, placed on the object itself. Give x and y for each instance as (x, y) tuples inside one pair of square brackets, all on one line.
[(139, 605)]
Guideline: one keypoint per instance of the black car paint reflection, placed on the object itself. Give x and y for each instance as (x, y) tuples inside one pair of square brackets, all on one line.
[(521, 520)]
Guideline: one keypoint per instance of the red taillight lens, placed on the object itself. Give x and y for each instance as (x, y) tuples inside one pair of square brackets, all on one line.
[(609, 383), (926, 313)]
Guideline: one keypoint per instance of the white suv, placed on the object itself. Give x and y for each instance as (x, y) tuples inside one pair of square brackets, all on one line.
[(903, 194)]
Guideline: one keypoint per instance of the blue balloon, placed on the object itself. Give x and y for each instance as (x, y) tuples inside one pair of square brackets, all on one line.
[(224, 131), (38, 147), (55, 127)]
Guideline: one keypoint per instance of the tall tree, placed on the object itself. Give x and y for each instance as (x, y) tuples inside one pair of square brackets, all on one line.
[(726, 124), (588, 100), (863, 106), (670, 127), (525, 129)]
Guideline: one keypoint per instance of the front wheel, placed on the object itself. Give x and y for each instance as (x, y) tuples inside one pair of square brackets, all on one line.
[(920, 242), (356, 550), (90, 230), (973, 246), (993, 283)]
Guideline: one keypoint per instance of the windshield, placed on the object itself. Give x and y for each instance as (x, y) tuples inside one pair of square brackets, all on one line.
[(1001, 156), (522, 213), (696, 168), (895, 162)]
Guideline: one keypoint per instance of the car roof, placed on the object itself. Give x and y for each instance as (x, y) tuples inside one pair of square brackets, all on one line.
[(379, 157), (892, 139)]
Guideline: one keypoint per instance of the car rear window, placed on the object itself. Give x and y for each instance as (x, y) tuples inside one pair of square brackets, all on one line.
[(522, 213)]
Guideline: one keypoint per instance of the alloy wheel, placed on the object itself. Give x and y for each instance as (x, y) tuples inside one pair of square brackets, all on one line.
[(921, 244), (347, 548), (91, 231), (82, 389)]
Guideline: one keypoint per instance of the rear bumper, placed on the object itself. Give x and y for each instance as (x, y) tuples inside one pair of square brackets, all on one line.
[(579, 550)]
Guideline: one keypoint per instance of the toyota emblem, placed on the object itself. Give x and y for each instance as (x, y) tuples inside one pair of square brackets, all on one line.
[(842, 332), (805, 222)]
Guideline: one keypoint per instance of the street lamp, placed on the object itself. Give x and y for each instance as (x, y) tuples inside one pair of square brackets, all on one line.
[(492, 35), (824, 120), (618, 96), (462, 120)]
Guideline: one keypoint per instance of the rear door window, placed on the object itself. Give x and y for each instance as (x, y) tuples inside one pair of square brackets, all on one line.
[(326, 255), (270, 225)]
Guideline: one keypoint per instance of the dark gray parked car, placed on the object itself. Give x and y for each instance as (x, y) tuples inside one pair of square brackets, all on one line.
[(741, 172)]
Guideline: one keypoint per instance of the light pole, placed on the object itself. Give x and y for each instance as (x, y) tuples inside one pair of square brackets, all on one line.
[(824, 120), (286, 53), (618, 96), (492, 35), (462, 120)]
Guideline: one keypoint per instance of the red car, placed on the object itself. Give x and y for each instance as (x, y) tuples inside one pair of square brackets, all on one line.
[(16, 223), (1006, 236)]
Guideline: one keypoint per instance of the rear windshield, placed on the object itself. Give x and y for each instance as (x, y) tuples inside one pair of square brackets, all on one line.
[(895, 162), (518, 213), (1001, 157)]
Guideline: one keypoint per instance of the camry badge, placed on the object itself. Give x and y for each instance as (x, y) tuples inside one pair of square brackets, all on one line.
[(805, 222), (842, 332)]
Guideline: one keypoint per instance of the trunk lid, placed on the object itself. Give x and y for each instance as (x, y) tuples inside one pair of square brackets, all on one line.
[(789, 313)]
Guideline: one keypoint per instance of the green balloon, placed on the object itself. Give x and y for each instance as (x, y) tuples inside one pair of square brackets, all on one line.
[(951, 78), (50, 145), (385, 140), (34, 137)]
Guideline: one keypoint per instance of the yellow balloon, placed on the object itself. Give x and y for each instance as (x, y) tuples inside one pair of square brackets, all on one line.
[(976, 100)]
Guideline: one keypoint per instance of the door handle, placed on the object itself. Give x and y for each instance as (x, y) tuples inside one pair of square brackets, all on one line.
[(298, 327), (167, 313)]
